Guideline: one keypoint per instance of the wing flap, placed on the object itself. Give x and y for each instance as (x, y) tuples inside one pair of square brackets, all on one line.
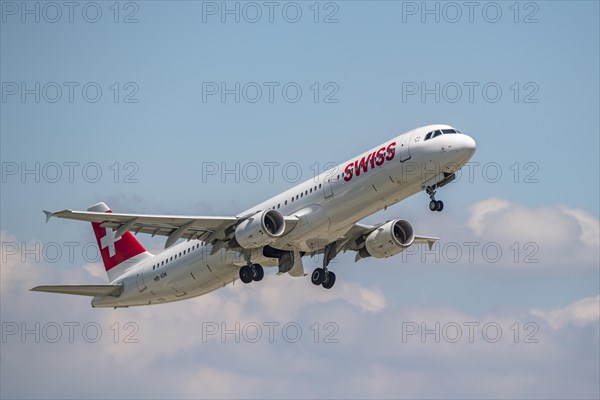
[(82, 290)]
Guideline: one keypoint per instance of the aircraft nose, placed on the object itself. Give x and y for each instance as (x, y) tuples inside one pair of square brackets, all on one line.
[(468, 146)]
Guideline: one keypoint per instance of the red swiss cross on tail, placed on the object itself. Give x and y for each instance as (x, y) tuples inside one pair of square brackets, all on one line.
[(117, 252)]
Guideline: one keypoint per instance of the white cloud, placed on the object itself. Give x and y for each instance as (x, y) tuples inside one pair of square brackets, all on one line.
[(580, 313), (484, 209), (550, 235), (367, 359), (588, 223)]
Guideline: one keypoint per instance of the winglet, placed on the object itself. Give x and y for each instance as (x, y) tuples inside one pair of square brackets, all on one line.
[(48, 215), (426, 239)]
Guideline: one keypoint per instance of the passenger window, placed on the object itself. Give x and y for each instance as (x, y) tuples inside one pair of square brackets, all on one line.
[(319, 186), (285, 203), (301, 194)]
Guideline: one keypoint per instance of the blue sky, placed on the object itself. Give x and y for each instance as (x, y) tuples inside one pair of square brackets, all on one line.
[(153, 144)]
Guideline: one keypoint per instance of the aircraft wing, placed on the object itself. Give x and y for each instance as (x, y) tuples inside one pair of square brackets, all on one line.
[(425, 239), (208, 229)]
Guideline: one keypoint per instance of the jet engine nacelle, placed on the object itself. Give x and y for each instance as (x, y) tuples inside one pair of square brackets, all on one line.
[(389, 239), (260, 229)]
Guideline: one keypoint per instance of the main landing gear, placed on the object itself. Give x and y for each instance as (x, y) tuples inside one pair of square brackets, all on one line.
[(251, 272), (322, 276), (434, 205)]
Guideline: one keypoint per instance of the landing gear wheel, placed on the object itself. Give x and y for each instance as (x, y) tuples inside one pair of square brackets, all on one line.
[(329, 280), (246, 274), (259, 272), (433, 205), (318, 276)]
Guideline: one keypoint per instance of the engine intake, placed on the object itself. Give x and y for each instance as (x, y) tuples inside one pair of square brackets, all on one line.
[(389, 239), (259, 230)]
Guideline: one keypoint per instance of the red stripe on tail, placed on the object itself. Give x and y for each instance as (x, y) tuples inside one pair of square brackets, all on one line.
[(115, 251)]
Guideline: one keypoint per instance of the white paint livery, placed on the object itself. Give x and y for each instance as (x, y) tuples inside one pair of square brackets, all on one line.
[(319, 216)]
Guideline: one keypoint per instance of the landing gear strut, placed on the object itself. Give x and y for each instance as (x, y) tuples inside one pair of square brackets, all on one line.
[(434, 205), (322, 276), (251, 272)]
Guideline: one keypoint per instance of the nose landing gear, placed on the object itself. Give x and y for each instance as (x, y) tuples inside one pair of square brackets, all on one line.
[(434, 205)]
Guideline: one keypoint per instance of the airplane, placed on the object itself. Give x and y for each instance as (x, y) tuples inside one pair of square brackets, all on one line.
[(319, 217)]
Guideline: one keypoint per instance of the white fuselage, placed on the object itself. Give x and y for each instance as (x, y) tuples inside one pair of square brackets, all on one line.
[(327, 207)]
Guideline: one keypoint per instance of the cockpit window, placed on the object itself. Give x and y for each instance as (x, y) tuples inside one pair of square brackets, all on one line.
[(433, 134)]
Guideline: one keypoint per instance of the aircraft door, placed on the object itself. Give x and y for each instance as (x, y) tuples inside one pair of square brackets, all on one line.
[(140, 280), (403, 147), (328, 189), (330, 180)]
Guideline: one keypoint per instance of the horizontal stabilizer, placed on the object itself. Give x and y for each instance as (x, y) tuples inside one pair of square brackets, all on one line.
[(83, 290)]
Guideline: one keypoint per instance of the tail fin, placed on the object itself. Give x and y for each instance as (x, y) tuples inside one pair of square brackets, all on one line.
[(118, 253)]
